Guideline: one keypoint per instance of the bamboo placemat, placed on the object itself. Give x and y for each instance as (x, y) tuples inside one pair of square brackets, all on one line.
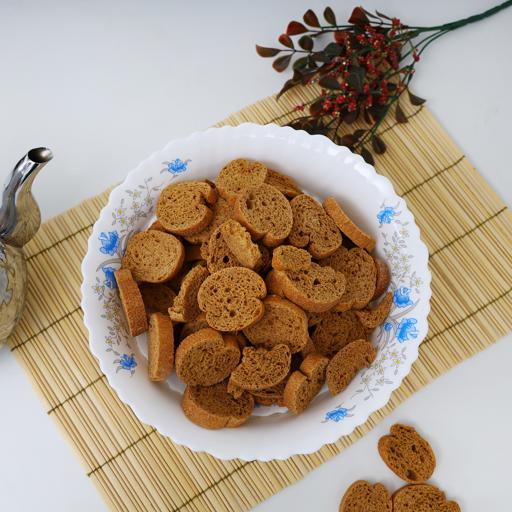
[(468, 231)]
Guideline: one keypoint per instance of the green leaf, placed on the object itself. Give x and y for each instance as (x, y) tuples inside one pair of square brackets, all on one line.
[(281, 63), (378, 145), (311, 19), (263, 51), (333, 50), (321, 57), (300, 64), (306, 43), (329, 82), (285, 40), (356, 78), (295, 27), (415, 100), (329, 16), (399, 114), (368, 157)]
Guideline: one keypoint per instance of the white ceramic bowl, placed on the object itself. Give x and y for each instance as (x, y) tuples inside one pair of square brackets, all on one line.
[(321, 168)]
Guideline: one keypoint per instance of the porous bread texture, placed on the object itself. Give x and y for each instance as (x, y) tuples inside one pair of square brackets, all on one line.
[(261, 368), (312, 228), (422, 498), (153, 256), (288, 257), (305, 383), (270, 396), (238, 175), (266, 213), (239, 242), (343, 367), (336, 329), (231, 298), (362, 496), (407, 454), (315, 289), (213, 407), (160, 347), (359, 270), (282, 322), (371, 318), (184, 208), (347, 226), (185, 307), (206, 357), (131, 302), (383, 277), (193, 326), (156, 297), (222, 211)]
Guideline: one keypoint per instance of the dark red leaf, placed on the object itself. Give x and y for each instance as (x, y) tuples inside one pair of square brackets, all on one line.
[(329, 16), (366, 117), (316, 108), (295, 27), (281, 63), (333, 50), (285, 40), (356, 78), (358, 17), (306, 77), (321, 57), (359, 133), (350, 117), (348, 140), (306, 43), (311, 19), (329, 82), (300, 64), (368, 157), (287, 86), (378, 145), (400, 115), (263, 51), (383, 16), (415, 100)]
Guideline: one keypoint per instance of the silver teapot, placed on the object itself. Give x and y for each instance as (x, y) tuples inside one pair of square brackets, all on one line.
[(20, 219)]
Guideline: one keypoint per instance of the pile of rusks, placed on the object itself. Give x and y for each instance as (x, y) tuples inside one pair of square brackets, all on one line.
[(254, 292)]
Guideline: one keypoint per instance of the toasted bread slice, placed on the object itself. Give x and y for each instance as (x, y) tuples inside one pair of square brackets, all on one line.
[(157, 226), (288, 257), (270, 396), (157, 297), (312, 228), (335, 330), (304, 384), (316, 289), (347, 226), (231, 298), (131, 302), (371, 318), (284, 184), (239, 242), (266, 213), (194, 253), (153, 256), (407, 454), (189, 328), (185, 307), (383, 277), (261, 368), (359, 269), (238, 175), (282, 322), (344, 366), (362, 496), (160, 347), (184, 208), (206, 357), (213, 407), (222, 211), (422, 498)]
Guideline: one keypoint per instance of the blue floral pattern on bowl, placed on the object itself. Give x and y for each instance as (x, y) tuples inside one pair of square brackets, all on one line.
[(401, 325), (126, 216)]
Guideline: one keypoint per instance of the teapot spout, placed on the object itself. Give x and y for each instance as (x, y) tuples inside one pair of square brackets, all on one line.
[(20, 217)]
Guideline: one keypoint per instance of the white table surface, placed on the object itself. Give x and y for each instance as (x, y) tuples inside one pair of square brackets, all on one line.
[(106, 83)]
